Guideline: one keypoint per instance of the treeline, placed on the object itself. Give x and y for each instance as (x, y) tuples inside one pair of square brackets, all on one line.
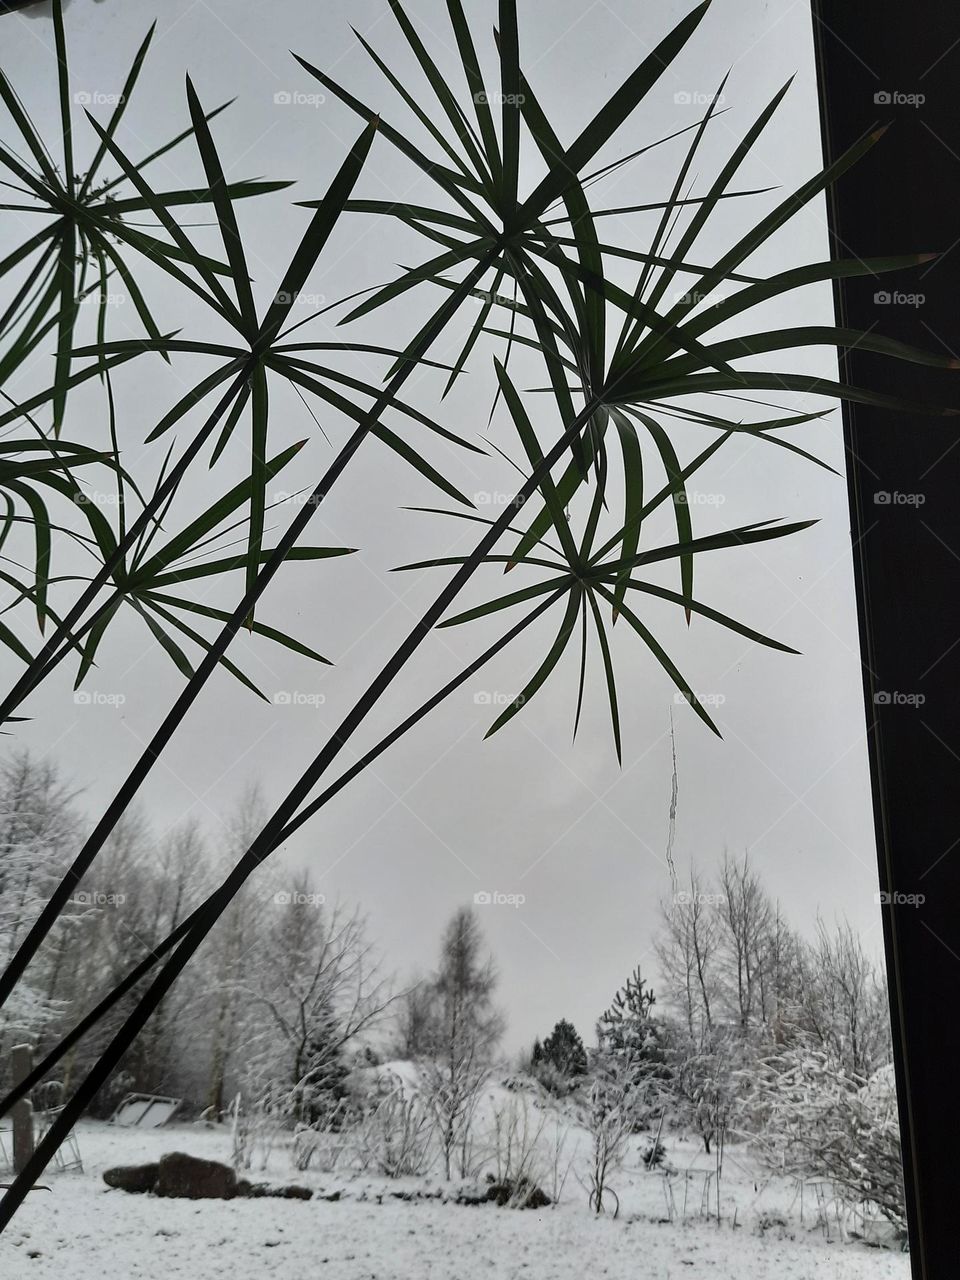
[(761, 1035), (738, 985), (755, 1033), (283, 989)]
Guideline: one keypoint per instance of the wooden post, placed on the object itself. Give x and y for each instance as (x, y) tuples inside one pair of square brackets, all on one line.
[(22, 1112)]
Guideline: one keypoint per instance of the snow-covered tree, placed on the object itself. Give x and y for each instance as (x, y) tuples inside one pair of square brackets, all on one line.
[(560, 1059), (842, 1000), (416, 1020), (467, 1028), (629, 1031), (614, 1109), (38, 828), (704, 1078), (688, 951), (313, 986), (746, 917)]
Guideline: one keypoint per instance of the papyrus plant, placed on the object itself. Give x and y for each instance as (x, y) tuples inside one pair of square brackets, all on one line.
[(621, 364)]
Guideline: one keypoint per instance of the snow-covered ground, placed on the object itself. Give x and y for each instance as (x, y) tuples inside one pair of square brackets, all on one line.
[(84, 1230)]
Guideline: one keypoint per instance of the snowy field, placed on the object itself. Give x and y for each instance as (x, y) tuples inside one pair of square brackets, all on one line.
[(83, 1230)]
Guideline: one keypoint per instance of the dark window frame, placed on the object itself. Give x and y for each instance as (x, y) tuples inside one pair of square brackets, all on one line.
[(873, 63)]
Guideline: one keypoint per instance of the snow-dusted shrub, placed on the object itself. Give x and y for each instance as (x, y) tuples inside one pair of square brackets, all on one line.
[(258, 1126), (815, 1119), (707, 1073), (614, 1109), (518, 1152), (395, 1137), (555, 1081), (560, 1157), (452, 1091), (324, 1143)]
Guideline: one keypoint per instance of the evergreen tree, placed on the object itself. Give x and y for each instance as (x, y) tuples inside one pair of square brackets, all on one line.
[(628, 1029), (564, 1050)]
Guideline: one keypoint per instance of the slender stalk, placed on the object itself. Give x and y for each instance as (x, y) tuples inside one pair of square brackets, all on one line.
[(140, 970), (188, 695)]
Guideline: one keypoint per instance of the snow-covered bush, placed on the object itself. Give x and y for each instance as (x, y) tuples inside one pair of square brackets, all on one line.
[(814, 1118), (706, 1074), (395, 1137), (259, 1124), (518, 1149), (614, 1109)]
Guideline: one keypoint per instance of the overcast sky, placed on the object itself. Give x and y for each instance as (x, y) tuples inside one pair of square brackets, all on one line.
[(446, 815)]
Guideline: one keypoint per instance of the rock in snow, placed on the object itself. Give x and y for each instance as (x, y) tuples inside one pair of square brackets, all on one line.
[(185, 1177), (137, 1178), (190, 1178)]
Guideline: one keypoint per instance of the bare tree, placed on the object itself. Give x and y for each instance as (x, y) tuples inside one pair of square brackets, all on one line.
[(37, 825), (610, 1118), (226, 956), (467, 1029), (316, 980), (843, 1000), (703, 1081), (780, 977), (688, 949), (416, 1020), (746, 916)]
